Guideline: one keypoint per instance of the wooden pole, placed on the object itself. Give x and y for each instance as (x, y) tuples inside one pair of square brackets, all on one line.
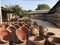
[(0, 13)]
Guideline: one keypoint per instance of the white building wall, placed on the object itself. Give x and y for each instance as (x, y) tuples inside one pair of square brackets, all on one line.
[(0, 13)]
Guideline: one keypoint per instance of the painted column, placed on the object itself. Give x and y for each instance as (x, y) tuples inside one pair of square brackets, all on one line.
[(0, 13)]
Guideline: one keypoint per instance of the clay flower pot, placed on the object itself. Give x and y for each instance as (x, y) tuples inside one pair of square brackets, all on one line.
[(54, 40), (5, 36), (37, 40), (21, 35), (24, 29)]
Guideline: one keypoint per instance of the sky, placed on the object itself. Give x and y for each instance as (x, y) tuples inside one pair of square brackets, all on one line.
[(28, 4)]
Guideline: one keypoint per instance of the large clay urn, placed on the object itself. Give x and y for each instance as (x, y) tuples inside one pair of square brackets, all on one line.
[(5, 36), (21, 35)]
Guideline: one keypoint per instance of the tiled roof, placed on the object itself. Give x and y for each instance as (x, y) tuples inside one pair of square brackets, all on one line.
[(39, 11), (53, 8)]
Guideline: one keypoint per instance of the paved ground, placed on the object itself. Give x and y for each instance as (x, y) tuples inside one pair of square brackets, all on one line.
[(50, 26)]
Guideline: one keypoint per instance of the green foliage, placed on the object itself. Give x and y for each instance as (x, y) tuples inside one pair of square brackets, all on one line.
[(9, 8), (25, 11), (43, 7), (29, 10), (16, 9)]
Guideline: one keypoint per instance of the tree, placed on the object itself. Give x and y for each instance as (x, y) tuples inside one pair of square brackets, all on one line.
[(29, 10), (43, 7), (25, 11), (15, 9), (8, 8)]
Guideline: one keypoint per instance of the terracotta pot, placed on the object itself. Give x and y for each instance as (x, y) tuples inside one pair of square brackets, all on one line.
[(54, 40), (24, 29), (5, 36), (21, 35), (37, 41)]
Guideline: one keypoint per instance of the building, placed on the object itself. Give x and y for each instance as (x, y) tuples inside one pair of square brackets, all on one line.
[(4, 14), (54, 14), (55, 9), (37, 14), (7, 15)]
